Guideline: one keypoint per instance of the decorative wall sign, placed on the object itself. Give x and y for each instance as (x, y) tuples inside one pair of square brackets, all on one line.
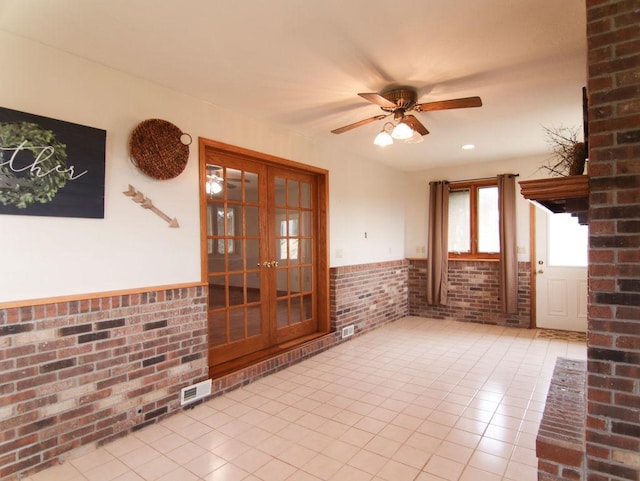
[(49, 167)]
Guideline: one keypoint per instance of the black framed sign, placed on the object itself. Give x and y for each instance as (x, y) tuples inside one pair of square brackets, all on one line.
[(50, 167)]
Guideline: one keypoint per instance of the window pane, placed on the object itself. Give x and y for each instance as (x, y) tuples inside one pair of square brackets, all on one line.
[(282, 313), (307, 307), (281, 282), (233, 184), (251, 187), (488, 220), (217, 292), (217, 328), (281, 193), (305, 195), (306, 279), (305, 223), (236, 289), (293, 193), (254, 321), (252, 221), (236, 324), (295, 310), (294, 281), (459, 225), (214, 186), (568, 241), (305, 255)]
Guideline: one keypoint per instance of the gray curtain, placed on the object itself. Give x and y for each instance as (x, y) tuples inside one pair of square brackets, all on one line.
[(508, 248), (438, 255)]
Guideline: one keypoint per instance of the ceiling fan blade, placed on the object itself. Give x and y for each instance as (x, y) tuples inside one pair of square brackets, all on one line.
[(415, 124), (449, 104), (357, 124), (378, 100)]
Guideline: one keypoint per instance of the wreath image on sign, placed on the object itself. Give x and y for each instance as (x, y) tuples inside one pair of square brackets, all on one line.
[(32, 164)]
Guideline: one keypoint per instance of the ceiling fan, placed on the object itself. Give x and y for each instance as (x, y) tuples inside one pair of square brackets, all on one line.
[(399, 101), (215, 180)]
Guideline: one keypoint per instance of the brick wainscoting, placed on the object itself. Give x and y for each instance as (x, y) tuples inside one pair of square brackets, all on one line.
[(474, 293), (76, 373), (560, 444), (368, 295)]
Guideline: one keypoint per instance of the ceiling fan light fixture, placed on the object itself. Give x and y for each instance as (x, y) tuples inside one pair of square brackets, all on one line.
[(402, 131), (213, 186), (416, 138), (383, 139)]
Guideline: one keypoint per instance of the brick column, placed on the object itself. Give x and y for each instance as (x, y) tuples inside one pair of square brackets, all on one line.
[(613, 384)]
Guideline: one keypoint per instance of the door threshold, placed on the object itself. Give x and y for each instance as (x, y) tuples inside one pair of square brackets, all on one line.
[(250, 360)]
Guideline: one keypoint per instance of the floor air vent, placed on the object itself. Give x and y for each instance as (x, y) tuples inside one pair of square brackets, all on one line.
[(193, 393), (348, 331)]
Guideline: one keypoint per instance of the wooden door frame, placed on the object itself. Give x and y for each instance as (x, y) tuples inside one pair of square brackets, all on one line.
[(533, 263), (322, 213)]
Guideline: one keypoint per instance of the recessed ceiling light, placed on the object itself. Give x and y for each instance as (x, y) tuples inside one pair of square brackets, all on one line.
[(468, 147)]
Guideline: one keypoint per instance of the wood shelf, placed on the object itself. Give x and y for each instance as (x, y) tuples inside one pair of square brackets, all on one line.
[(560, 194)]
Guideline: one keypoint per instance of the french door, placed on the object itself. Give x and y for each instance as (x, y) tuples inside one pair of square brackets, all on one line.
[(263, 249)]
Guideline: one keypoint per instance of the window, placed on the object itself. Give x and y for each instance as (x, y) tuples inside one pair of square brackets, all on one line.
[(474, 220)]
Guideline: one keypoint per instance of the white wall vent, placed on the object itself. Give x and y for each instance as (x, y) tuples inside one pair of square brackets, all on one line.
[(197, 391), (348, 331)]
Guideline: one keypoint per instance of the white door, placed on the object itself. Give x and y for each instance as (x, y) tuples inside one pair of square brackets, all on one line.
[(561, 272)]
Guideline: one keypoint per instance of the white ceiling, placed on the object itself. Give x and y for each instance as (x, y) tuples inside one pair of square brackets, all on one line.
[(300, 64)]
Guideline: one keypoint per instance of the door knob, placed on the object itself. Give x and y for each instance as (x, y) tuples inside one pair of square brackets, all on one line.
[(540, 271), (269, 264)]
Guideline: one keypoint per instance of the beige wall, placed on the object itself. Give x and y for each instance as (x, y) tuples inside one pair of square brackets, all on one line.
[(132, 248), (416, 198)]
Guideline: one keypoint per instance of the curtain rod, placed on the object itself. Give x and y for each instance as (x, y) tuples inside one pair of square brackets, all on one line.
[(480, 178)]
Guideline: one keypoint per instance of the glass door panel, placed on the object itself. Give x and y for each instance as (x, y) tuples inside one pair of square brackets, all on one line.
[(293, 191), (292, 224), (238, 301), (251, 187), (217, 328), (294, 280), (233, 184)]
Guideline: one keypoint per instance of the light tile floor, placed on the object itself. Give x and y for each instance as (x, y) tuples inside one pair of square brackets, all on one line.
[(418, 399)]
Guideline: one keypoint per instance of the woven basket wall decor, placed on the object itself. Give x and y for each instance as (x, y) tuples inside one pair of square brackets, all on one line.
[(158, 150)]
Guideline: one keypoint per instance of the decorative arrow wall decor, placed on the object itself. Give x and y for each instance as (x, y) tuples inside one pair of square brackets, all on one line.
[(147, 203)]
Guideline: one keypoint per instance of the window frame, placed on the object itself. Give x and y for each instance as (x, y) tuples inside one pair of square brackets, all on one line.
[(473, 186)]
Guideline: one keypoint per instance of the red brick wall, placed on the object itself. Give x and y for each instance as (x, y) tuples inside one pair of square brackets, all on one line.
[(74, 373), (613, 384), (560, 441), (368, 295), (474, 293)]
